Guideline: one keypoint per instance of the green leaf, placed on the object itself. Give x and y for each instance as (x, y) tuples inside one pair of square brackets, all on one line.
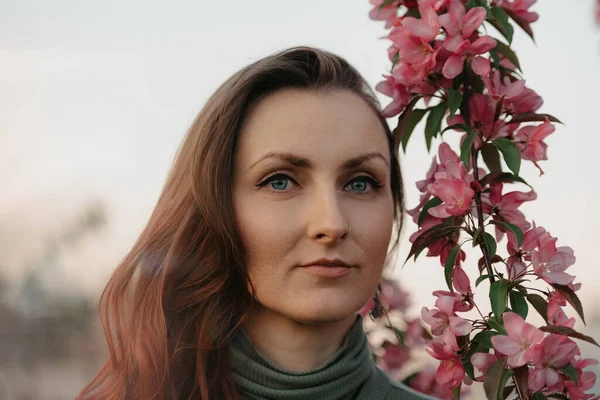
[(481, 279), (498, 295), (498, 326), (449, 266), (485, 338), (507, 52), (465, 149), (522, 23), (495, 379), (518, 303), (410, 123), (570, 332), (385, 4), (495, 58), (501, 23), (571, 297), (455, 98), (540, 305), (499, 105), (533, 117), (538, 396), (501, 177), (510, 227), (521, 378), (434, 123), (490, 244), (433, 202), (571, 372), (516, 283), (395, 59), (429, 236), (511, 153), (559, 396), (398, 131), (456, 127), (491, 158), (413, 12)]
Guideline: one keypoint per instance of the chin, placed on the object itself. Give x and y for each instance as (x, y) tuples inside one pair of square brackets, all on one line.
[(323, 310)]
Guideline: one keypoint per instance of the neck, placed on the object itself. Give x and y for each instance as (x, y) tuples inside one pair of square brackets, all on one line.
[(292, 345)]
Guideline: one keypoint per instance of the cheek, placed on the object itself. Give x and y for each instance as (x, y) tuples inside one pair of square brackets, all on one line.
[(268, 237), (373, 227)]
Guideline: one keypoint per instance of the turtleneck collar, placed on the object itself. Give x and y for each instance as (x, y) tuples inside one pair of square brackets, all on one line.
[(341, 377)]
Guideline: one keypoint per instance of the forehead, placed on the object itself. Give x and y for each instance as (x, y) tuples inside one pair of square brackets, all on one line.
[(322, 126)]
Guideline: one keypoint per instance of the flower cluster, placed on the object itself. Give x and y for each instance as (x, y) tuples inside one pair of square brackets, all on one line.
[(403, 339), (447, 68)]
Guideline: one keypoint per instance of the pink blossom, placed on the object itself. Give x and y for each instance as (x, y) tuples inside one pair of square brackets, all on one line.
[(425, 382), (467, 50), (398, 92), (394, 296), (436, 4), (450, 372), (455, 193), (422, 186), (387, 13), (411, 41), (460, 281), (458, 23), (482, 362), (551, 354), (412, 74), (551, 268), (514, 264), (555, 313), (414, 333), (461, 301), (505, 207), (525, 102), (427, 27), (586, 381), (538, 238), (394, 357), (482, 110), (502, 87), (521, 9), (518, 344), (529, 139), (443, 319)]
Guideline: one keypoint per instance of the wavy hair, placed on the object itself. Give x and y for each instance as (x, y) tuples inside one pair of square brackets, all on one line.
[(172, 303)]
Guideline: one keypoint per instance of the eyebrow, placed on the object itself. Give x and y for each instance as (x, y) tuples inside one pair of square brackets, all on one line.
[(303, 162)]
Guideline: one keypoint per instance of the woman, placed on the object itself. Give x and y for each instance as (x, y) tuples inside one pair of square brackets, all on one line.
[(271, 232)]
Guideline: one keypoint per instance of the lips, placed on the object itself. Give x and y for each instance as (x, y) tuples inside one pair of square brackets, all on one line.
[(326, 262), (327, 268)]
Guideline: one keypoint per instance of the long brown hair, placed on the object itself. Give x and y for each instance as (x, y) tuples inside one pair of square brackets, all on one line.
[(179, 294)]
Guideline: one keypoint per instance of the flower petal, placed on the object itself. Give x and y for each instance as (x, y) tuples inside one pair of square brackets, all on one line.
[(452, 67)]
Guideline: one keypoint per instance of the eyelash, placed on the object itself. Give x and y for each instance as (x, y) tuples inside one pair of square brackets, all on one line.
[(278, 175)]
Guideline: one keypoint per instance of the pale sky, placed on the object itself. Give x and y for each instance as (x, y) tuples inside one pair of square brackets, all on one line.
[(96, 96)]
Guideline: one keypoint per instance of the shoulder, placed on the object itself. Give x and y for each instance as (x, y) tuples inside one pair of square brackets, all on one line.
[(400, 391)]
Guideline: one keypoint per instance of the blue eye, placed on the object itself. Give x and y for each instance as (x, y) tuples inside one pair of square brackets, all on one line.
[(361, 184), (278, 182)]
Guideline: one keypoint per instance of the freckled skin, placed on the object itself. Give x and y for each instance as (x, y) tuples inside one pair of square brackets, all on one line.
[(289, 222)]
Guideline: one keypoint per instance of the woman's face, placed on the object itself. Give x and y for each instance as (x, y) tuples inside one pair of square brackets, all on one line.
[(308, 167)]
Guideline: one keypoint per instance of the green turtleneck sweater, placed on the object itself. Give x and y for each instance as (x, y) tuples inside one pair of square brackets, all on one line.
[(350, 374)]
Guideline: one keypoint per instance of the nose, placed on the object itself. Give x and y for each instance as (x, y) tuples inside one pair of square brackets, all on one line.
[(327, 222)]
